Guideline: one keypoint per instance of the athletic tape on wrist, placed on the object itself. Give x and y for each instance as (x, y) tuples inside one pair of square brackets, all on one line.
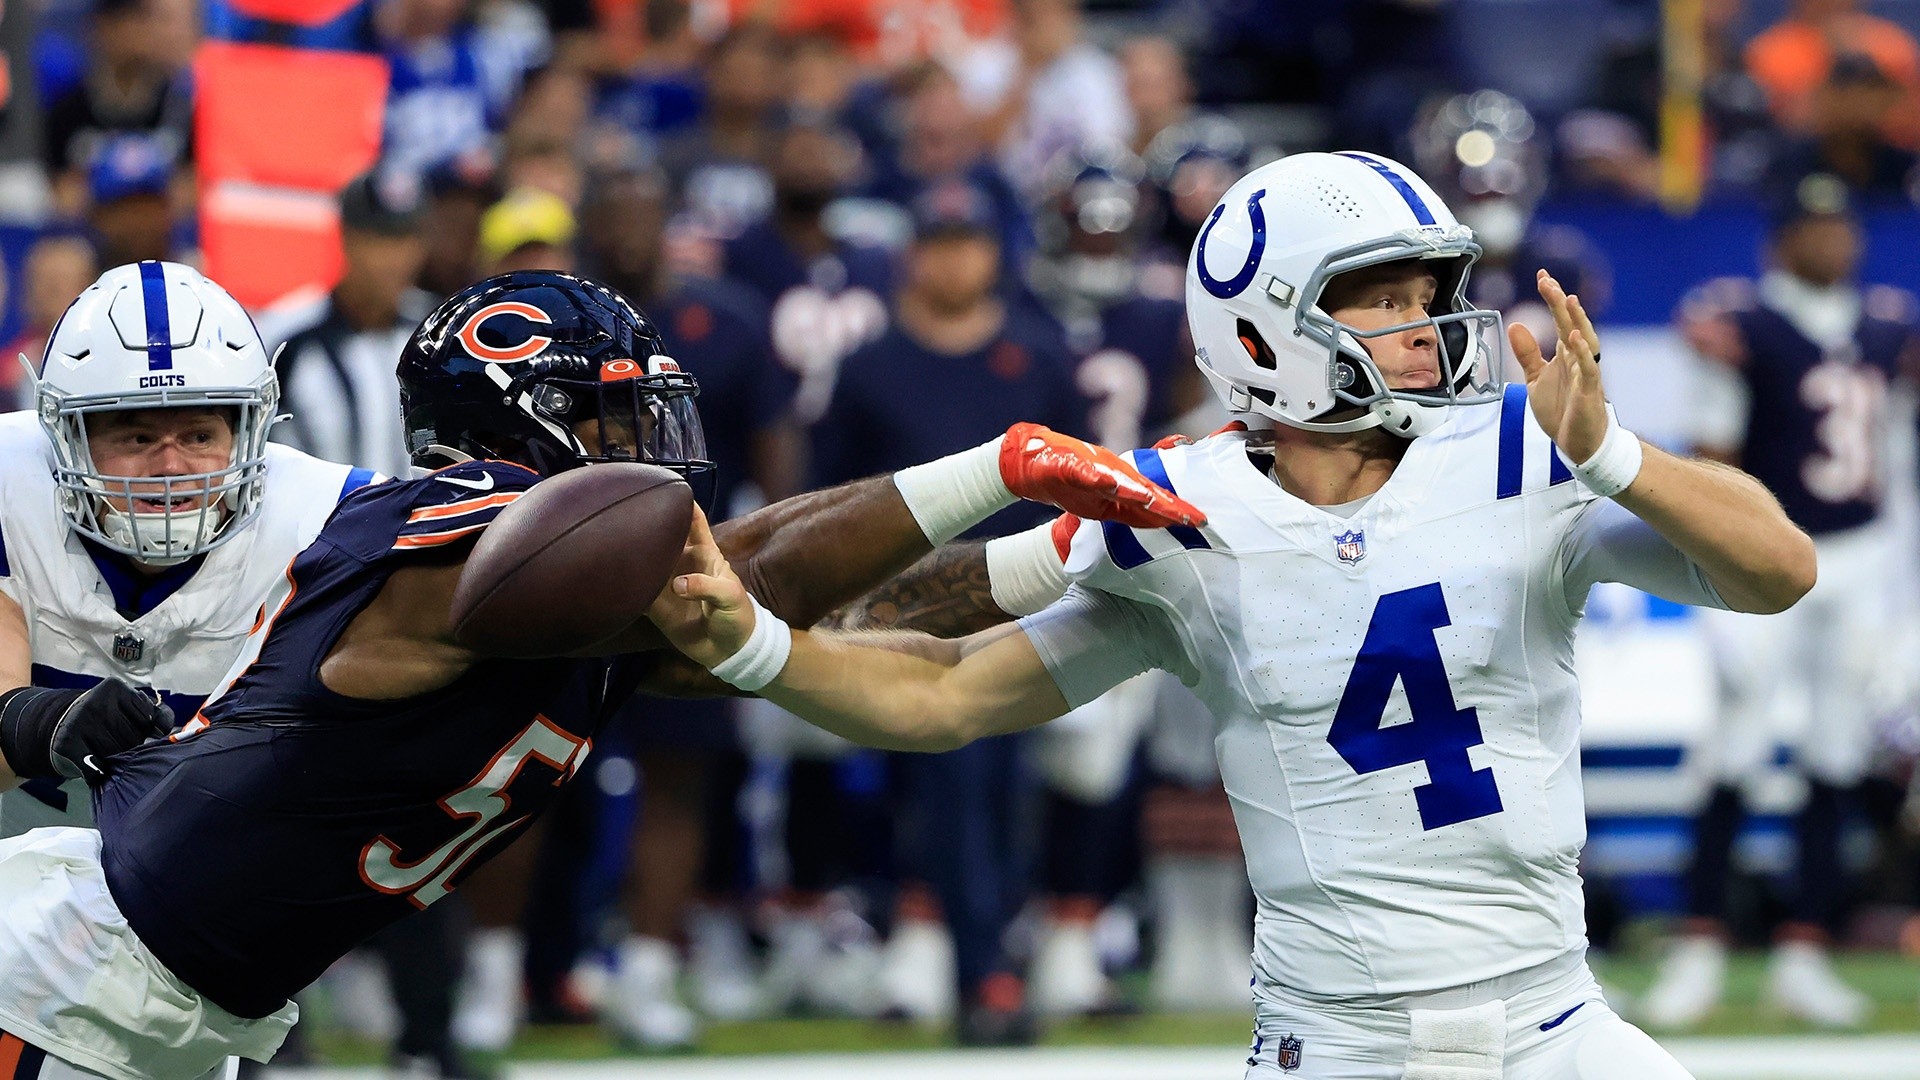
[(1024, 571), (759, 661), (949, 496), (1615, 465)]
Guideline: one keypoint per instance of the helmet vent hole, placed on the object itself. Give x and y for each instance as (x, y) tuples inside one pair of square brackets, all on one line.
[(1256, 346)]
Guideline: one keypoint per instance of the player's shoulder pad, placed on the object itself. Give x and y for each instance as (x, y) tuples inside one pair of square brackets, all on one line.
[(1104, 554), (430, 511)]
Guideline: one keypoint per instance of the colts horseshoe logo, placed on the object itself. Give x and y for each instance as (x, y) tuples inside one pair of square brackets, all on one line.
[(469, 333), (1237, 284)]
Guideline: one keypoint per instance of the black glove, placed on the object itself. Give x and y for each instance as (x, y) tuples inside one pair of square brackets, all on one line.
[(68, 733)]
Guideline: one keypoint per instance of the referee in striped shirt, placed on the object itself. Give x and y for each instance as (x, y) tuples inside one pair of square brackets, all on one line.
[(336, 372)]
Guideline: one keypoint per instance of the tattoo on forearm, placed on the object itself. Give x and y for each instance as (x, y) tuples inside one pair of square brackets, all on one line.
[(945, 594)]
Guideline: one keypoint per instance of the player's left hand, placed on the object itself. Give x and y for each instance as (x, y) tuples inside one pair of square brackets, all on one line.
[(1042, 465), (704, 609), (1565, 392)]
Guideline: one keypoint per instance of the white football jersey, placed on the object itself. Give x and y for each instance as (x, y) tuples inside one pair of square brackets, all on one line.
[(1394, 693), (185, 643)]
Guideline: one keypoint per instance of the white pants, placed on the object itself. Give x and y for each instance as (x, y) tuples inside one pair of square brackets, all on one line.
[(1820, 655), (77, 983), (1556, 1027)]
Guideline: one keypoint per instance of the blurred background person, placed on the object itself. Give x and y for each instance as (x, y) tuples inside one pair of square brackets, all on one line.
[(1795, 390), (1044, 88), (718, 164), (453, 81), (1485, 155), (337, 352), (135, 82), (130, 206), (824, 295), (956, 364), (61, 263), (528, 229), (1795, 57)]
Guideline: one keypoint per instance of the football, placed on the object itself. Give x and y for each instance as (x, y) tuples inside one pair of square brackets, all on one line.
[(572, 562)]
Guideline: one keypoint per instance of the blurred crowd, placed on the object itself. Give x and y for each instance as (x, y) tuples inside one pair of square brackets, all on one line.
[(878, 233)]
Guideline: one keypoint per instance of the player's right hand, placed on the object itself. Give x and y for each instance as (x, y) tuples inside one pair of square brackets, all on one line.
[(1042, 465), (704, 610)]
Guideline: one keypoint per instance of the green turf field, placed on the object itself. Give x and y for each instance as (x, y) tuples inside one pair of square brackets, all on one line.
[(1893, 982)]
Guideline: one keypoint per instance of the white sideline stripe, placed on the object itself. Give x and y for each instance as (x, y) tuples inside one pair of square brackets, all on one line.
[(1792, 1057)]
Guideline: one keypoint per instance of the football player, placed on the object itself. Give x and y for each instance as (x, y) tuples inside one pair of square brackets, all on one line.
[(142, 518), (1380, 615), (358, 762), (1795, 385)]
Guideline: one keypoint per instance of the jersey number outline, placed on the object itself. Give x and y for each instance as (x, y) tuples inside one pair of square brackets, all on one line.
[(1400, 647), (1851, 400), (481, 803)]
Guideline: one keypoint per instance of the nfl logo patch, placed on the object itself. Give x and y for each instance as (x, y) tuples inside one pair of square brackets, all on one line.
[(1351, 546), (1286, 1052), (127, 647)]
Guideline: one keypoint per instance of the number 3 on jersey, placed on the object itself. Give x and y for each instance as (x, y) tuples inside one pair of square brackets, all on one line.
[(1400, 647)]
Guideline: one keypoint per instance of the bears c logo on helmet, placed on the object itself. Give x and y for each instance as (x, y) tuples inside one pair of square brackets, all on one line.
[(469, 333)]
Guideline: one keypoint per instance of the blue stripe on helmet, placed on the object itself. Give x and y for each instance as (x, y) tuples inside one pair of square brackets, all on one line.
[(1414, 202), (153, 295)]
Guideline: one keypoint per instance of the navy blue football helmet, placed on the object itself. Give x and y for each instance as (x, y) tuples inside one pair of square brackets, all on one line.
[(551, 371)]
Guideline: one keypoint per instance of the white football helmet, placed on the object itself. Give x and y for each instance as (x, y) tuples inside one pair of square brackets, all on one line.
[(1263, 260), (156, 335)]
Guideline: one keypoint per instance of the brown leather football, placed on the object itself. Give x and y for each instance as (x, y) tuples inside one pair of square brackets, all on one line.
[(574, 561)]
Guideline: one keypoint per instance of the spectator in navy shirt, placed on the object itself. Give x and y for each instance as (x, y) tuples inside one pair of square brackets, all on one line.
[(957, 366), (825, 296), (940, 140)]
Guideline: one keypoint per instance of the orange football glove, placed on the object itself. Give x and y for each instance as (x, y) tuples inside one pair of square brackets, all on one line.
[(1042, 465), (1172, 441)]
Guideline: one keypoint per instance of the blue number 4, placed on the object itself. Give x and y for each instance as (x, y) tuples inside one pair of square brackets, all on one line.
[(1400, 647)]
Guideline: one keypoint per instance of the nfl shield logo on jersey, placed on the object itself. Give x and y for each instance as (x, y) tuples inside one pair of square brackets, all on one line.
[(1351, 546), (127, 646), (1286, 1052)]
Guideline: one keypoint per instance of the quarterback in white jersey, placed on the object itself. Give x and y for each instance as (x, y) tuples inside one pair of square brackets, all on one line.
[(143, 515), (1379, 612)]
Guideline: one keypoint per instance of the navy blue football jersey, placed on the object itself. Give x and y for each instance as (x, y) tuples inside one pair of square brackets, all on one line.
[(288, 822), (1816, 418)]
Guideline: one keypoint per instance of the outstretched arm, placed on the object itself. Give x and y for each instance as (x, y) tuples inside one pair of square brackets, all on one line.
[(1723, 520), (915, 693)]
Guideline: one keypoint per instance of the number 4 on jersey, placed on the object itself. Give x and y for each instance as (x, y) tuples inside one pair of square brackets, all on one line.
[(1400, 647)]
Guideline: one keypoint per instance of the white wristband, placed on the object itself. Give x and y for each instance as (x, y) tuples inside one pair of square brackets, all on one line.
[(949, 496), (759, 661), (1024, 571), (1614, 466)]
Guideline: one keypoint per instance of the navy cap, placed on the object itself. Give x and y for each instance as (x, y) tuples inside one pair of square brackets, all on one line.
[(954, 206), (129, 164), (1809, 195)]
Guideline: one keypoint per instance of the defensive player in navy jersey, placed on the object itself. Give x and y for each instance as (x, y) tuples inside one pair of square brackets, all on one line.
[(1795, 392), (360, 763)]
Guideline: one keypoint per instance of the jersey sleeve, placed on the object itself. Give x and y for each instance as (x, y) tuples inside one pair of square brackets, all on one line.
[(437, 510), (1609, 543), (1092, 641)]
